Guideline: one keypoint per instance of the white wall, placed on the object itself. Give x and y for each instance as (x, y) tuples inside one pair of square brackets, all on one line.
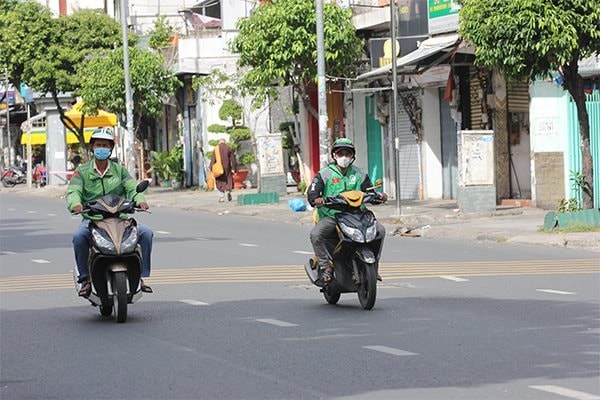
[(431, 149)]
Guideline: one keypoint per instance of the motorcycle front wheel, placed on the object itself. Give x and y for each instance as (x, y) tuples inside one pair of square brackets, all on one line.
[(119, 286), (7, 182), (367, 287)]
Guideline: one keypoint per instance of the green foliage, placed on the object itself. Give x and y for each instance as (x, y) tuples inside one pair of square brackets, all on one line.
[(524, 38), (160, 34), (213, 142), (239, 133), (568, 205), (278, 42), (246, 159), (217, 128), (103, 83), (168, 164), (231, 110)]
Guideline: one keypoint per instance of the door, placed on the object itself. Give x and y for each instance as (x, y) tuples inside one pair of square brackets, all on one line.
[(449, 149), (374, 141)]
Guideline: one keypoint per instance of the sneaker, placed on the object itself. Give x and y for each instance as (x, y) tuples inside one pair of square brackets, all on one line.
[(228, 196)]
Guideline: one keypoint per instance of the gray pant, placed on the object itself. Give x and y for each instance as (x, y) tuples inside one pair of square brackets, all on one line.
[(325, 232)]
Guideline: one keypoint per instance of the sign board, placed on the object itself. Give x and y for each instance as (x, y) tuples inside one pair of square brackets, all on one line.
[(443, 16), (476, 164), (270, 154)]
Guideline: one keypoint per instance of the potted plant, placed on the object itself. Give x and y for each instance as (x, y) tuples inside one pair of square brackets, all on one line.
[(168, 166)]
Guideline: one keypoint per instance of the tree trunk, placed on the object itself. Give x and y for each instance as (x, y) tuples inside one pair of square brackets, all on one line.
[(574, 85)]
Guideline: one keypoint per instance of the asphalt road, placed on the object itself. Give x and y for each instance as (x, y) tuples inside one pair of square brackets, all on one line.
[(233, 317)]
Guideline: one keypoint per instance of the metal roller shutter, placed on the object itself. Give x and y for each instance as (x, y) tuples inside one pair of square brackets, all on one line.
[(408, 156)]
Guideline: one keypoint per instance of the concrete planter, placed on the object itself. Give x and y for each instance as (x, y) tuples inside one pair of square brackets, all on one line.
[(589, 218)]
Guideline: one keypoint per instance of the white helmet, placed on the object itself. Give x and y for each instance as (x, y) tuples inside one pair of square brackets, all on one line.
[(103, 133)]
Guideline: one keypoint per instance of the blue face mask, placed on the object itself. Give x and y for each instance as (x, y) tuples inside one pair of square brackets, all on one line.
[(101, 153)]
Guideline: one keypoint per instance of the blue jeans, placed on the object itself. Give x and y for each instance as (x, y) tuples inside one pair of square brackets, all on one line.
[(82, 240)]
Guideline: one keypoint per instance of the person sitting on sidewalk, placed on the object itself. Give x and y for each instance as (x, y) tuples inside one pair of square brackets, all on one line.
[(332, 180), (89, 182)]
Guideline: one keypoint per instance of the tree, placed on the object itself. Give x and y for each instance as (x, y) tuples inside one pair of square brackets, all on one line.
[(103, 83), (160, 34), (278, 41), (524, 38), (47, 53)]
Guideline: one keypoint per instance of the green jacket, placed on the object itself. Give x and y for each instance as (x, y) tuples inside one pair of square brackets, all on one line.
[(330, 182), (86, 185)]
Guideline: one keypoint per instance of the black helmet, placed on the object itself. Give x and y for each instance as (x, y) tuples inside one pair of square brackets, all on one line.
[(342, 143)]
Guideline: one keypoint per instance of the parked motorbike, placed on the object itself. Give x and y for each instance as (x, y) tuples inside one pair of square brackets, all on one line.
[(13, 176), (356, 255), (115, 259)]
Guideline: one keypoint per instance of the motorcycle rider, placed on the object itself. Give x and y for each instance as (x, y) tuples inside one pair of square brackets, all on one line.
[(89, 182), (341, 176)]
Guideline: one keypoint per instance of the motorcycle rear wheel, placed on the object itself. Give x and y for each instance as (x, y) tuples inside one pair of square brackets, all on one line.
[(331, 296), (119, 286), (106, 310), (7, 182), (367, 288)]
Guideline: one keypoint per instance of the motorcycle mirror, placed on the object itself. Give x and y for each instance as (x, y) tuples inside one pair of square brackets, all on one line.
[(143, 185)]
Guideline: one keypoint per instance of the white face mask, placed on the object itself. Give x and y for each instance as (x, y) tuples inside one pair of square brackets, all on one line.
[(343, 162)]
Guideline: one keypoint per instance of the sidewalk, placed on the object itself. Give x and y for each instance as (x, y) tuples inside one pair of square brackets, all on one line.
[(421, 219)]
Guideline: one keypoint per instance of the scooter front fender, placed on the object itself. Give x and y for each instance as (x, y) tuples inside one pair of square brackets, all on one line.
[(365, 254)]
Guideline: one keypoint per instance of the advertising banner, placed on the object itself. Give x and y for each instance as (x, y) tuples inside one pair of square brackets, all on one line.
[(443, 16)]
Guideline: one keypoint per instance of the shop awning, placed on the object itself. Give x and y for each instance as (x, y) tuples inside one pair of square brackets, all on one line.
[(91, 121), (38, 137), (431, 52)]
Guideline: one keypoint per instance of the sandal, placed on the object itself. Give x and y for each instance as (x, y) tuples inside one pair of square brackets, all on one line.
[(86, 289), (146, 288)]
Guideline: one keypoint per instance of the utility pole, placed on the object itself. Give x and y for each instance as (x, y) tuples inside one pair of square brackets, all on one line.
[(322, 88), (129, 142), (10, 159), (394, 119)]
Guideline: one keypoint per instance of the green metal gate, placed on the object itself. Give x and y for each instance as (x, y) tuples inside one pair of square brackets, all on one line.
[(374, 141), (574, 161)]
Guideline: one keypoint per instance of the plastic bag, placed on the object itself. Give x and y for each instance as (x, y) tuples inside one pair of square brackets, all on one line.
[(297, 204)]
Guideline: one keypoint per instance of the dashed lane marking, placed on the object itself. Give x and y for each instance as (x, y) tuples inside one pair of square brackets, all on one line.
[(303, 252), (276, 322), (248, 244), (9, 253), (296, 273), (163, 232), (553, 291), (454, 278), (195, 302), (390, 350), (570, 393), (40, 261)]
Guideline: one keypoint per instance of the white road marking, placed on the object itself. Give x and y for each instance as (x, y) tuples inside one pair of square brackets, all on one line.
[(201, 238), (12, 209), (561, 391), (195, 302), (163, 232), (31, 212), (390, 350), (248, 244), (553, 291), (52, 215), (40, 261), (9, 253), (302, 252), (276, 322), (454, 278)]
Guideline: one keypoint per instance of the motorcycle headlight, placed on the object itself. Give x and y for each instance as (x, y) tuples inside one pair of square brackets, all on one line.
[(354, 234), (104, 244), (371, 233), (130, 240)]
